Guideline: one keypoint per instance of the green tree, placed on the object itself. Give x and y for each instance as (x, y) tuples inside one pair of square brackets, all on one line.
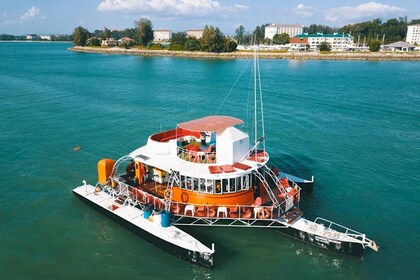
[(80, 36), (281, 39), (258, 34), (144, 32), (239, 34), (374, 46), (324, 47), (179, 38), (192, 44), (94, 42), (212, 40), (106, 34), (230, 45)]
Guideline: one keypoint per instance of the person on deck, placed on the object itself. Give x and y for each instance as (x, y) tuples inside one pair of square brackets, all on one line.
[(130, 169)]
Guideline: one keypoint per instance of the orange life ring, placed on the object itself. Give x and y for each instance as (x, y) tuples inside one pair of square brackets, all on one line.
[(263, 214), (184, 197), (168, 194)]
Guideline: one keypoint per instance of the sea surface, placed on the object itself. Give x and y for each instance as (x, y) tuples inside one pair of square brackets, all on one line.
[(354, 125)]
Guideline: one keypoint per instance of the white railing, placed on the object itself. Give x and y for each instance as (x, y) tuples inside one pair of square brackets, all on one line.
[(196, 156)]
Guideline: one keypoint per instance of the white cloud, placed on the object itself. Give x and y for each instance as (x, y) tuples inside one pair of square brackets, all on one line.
[(176, 7), (30, 14), (363, 11), (304, 11)]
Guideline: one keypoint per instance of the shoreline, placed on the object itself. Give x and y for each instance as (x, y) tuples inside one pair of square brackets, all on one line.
[(388, 56)]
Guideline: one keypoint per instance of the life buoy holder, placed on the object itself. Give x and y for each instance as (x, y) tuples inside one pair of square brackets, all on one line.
[(168, 194), (263, 214)]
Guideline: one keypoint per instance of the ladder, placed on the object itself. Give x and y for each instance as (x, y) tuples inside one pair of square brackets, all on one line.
[(276, 181), (267, 188), (173, 179)]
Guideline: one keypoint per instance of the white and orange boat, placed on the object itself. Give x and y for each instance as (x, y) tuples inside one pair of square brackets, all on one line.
[(206, 172)]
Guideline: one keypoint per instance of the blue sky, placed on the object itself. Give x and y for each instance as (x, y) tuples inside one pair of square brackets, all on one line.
[(62, 16)]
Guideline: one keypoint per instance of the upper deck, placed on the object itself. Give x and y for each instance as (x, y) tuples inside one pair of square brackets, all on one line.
[(208, 147)]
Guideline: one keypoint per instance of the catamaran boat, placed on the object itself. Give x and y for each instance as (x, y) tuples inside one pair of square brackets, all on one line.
[(206, 172)]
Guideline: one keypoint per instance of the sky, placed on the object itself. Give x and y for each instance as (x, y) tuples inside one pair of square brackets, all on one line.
[(44, 17)]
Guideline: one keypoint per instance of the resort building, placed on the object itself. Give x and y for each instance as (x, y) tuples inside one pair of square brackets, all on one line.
[(195, 33), (290, 29), (413, 34), (162, 35), (31, 36), (399, 47), (109, 42), (337, 41), (298, 44), (127, 40), (46, 37)]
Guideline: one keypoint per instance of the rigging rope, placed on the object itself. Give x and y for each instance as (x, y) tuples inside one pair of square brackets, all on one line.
[(227, 95)]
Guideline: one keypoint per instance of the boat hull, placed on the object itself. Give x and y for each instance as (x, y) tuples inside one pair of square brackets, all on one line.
[(183, 253), (333, 245)]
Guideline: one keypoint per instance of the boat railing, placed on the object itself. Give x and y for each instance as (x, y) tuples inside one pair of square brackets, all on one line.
[(226, 211), (347, 231), (196, 156), (137, 196)]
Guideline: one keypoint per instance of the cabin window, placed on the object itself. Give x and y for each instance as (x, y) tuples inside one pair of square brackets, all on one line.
[(232, 184), (202, 185), (188, 183), (244, 184), (218, 185), (209, 186), (183, 183), (195, 184), (225, 185)]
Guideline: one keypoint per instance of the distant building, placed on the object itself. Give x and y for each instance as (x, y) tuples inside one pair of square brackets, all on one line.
[(31, 36), (127, 40), (195, 33), (413, 34), (337, 41), (109, 42), (162, 35), (399, 47), (290, 29), (298, 43), (46, 37)]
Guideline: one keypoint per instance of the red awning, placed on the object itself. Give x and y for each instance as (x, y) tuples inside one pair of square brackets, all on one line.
[(210, 123)]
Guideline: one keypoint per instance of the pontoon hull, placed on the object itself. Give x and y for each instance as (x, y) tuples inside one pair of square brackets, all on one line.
[(336, 246), (183, 253)]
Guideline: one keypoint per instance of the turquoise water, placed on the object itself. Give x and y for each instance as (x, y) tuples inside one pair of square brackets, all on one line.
[(354, 125)]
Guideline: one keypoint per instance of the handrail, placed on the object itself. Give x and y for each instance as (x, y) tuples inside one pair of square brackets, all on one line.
[(196, 156)]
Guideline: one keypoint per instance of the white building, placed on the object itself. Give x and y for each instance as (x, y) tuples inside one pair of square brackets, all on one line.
[(46, 37), (413, 34), (290, 29), (31, 36), (109, 42), (195, 33), (162, 35), (337, 41)]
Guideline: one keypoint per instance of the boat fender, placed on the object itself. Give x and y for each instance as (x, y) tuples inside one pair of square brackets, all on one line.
[(263, 214), (168, 194)]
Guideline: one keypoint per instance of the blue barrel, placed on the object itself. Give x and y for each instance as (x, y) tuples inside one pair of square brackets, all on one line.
[(147, 211), (166, 219)]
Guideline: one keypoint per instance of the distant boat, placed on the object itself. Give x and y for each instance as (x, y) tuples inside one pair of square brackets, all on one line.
[(205, 172)]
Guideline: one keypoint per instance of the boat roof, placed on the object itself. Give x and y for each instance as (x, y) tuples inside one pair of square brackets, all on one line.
[(210, 123)]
